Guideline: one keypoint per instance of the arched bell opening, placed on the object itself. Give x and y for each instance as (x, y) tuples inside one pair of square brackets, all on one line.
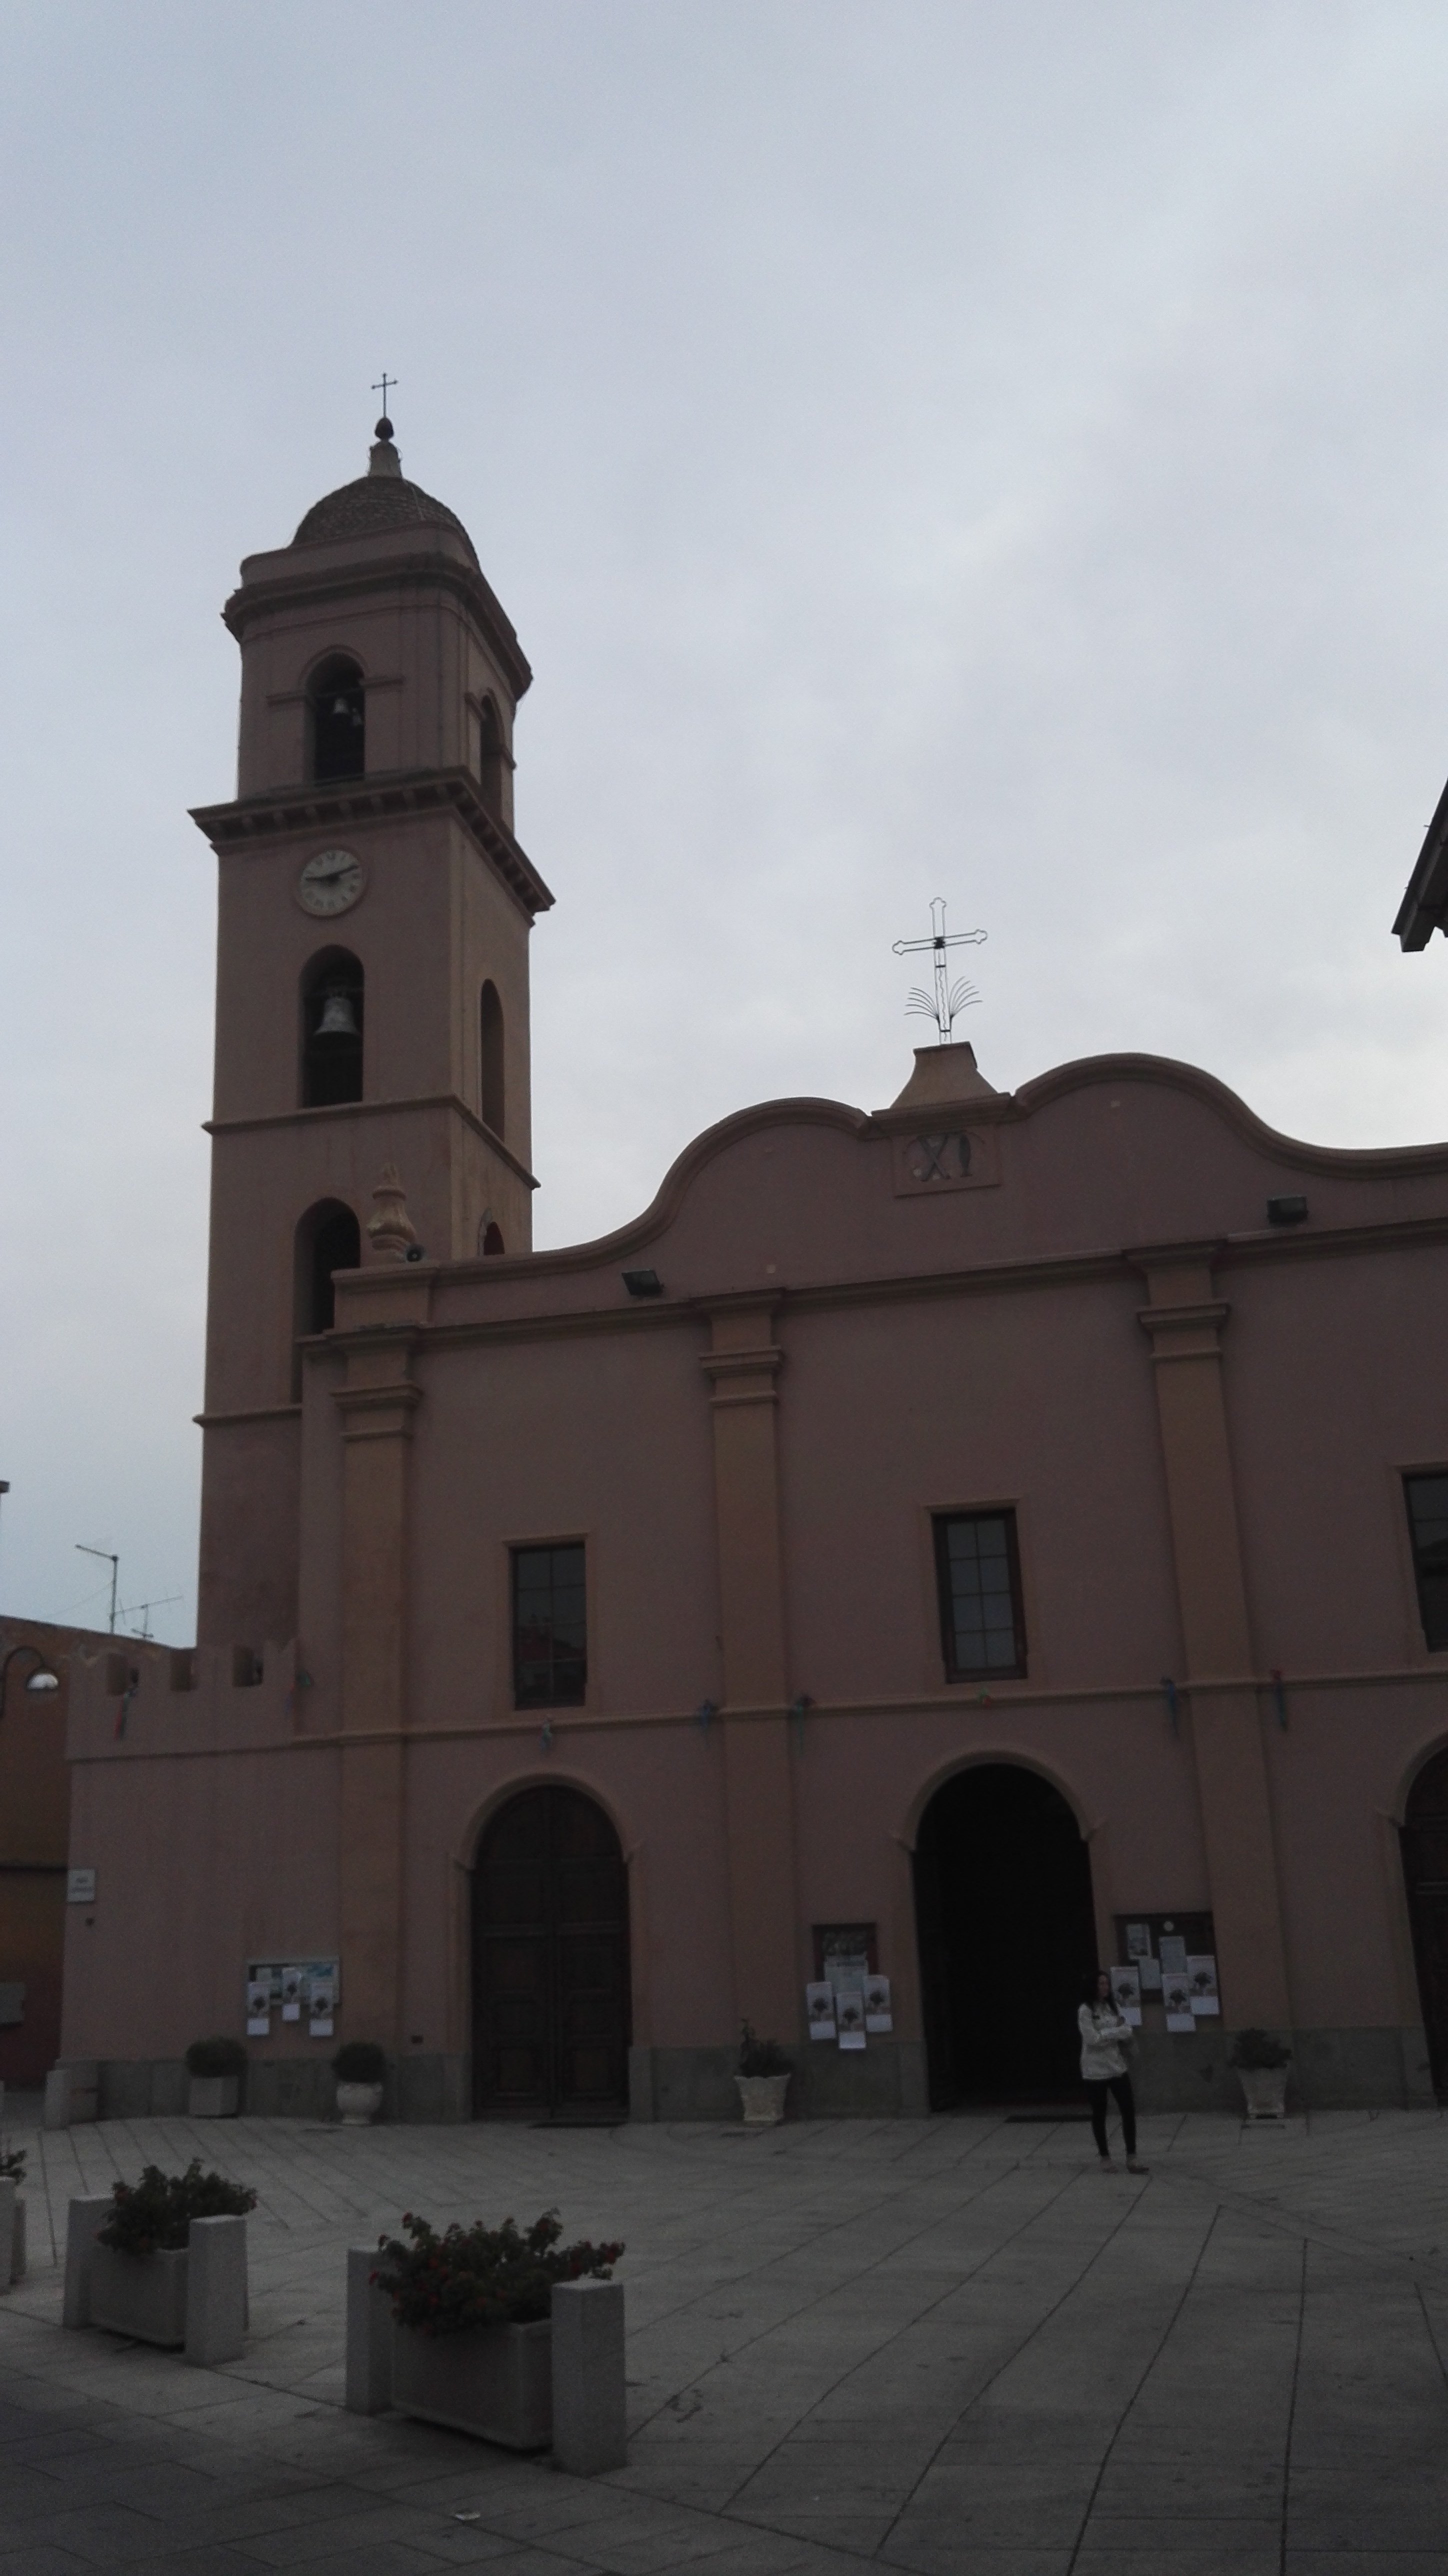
[(1424, 1837), (493, 1100), (550, 1960), (1007, 1932), (333, 997), (328, 1239), (336, 720)]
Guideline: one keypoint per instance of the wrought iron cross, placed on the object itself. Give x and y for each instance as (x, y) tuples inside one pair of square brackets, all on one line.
[(382, 389), (948, 998)]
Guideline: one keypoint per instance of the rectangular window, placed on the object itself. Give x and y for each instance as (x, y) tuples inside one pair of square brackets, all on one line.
[(1428, 1522), (550, 1635), (982, 1631)]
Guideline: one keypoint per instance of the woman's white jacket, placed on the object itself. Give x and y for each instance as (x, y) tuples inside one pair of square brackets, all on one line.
[(1103, 2033)]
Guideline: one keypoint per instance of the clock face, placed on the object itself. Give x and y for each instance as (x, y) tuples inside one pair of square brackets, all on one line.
[(331, 882)]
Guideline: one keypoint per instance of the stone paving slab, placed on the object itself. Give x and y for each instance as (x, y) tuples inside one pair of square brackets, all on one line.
[(937, 2345)]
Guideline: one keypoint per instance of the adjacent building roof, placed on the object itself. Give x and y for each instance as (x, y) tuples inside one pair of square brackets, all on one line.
[(1424, 907)]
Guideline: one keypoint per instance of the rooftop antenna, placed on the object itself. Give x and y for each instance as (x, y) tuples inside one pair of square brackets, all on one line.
[(129, 1609), (113, 1562), (942, 1005)]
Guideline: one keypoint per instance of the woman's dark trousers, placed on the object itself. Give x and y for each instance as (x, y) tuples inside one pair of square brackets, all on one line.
[(1096, 2094)]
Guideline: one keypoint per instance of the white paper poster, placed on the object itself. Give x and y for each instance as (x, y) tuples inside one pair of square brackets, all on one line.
[(1138, 1940), (1202, 1979), (292, 1982), (878, 2016), (819, 2001), (1172, 1951), (1176, 1994), (1150, 1974), (850, 2016), (1126, 1993), (258, 2008)]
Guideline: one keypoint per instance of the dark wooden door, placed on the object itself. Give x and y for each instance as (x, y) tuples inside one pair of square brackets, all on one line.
[(550, 1959), (1425, 1868)]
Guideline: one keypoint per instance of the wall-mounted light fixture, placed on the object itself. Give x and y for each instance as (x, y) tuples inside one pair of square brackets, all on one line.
[(1288, 1211), (643, 1283), (39, 1683)]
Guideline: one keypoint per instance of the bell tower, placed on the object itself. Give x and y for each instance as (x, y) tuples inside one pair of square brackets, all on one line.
[(372, 975)]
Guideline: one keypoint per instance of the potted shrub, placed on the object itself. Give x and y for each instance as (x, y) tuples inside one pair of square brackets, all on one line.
[(763, 2079), (472, 2346), (1262, 2062), (360, 2068), (138, 2267), (12, 2257), (216, 2067)]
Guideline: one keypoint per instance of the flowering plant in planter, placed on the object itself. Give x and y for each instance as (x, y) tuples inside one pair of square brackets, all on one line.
[(1257, 2052), (360, 2061), (215, 2057), (153, 2216), (482, 2276), (760, 2056)]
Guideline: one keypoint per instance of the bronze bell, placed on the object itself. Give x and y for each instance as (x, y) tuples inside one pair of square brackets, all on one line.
[(338, 1019)]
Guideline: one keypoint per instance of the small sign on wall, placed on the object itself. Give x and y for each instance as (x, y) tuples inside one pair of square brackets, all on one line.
[(80, 1887)]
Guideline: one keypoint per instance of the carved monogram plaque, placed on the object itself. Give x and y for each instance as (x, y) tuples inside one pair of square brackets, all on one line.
[(945, 1158)]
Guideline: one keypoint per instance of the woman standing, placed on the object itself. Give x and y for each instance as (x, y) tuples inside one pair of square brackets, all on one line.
[(1103, 2035)]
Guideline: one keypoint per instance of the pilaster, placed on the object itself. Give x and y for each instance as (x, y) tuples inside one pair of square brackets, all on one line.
[(376, 1404), (743, 1366), (1184, 1319)]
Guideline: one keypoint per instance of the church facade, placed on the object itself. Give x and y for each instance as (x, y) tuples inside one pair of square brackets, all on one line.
[(929, 1551)]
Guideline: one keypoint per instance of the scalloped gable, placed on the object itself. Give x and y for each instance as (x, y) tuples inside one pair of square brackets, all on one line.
[(1082, 1163)]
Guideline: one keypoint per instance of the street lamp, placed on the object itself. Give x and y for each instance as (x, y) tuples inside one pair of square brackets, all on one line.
[(42, 1681)]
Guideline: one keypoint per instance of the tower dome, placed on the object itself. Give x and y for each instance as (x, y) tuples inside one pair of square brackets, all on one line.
[(379, 500)]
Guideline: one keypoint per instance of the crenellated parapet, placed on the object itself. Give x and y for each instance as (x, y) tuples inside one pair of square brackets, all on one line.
[(131, 1701)]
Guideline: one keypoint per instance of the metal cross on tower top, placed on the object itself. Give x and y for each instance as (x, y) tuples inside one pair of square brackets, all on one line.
[(948, 998), (381, 389)]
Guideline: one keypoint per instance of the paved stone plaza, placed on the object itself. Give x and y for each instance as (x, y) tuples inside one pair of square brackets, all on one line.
[(944, 2345)]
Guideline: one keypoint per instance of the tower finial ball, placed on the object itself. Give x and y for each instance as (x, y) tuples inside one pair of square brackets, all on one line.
[(384, 428)]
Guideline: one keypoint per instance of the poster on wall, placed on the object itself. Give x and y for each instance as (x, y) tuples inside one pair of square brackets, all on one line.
[(1126, 1994), (819, 2006), (1171, 1949), (1202, 1978), (850, 2015), (284, 1985), (878, 2016), (1176, 1994)]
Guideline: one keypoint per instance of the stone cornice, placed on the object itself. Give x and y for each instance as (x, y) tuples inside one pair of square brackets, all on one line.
[(280, 813), (376, 1109), (315, 584)]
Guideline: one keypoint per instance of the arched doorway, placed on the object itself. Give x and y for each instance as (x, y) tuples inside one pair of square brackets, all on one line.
[(1006, 1930), (1425, 1869), (550, 1960)]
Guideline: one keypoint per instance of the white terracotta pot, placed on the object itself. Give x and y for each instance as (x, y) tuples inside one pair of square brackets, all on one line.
[(213, 2097), (762, 2098), (1265, 2088), (495, 2382), (358, 2103), (141, 2295)]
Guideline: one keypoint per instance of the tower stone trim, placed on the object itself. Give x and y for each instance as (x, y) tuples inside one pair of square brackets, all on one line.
[(381, 796)]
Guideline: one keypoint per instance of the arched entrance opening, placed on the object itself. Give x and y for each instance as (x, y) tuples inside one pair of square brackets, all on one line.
[(550, 1961), (1425, 1870), (1006, 1930)]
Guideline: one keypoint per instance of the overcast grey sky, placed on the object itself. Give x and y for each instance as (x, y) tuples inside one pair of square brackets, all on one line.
[(995, 451)]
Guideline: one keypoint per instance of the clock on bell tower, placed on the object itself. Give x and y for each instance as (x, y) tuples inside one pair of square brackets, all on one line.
[(372, 974)]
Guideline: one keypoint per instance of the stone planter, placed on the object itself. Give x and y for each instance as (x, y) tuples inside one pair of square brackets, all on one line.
[(140, 2295), (213, 2097), (495, 2382), (1265, 2089), (358, 2103), (762, 2099)]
